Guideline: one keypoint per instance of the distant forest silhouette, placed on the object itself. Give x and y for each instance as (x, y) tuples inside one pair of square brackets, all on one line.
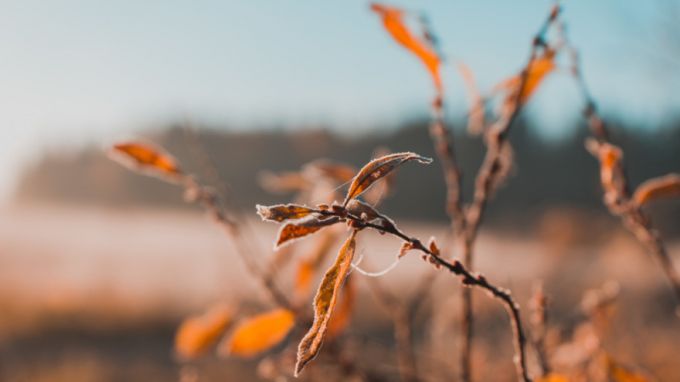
[(556, 173)]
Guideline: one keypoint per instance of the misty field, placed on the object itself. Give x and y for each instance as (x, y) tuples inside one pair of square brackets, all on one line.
[(100, 309)]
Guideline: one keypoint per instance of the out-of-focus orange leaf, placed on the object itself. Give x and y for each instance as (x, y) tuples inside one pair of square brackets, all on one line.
[(259, 333), (553, 377), (284, 182), (343, 315), (337, 172), (378, 168), (281, 212), (303, 276), (308, 266), (667, 186), (198, 333), (146, 158), (324, 303), (393, 21), (297, 229), (610, 158), (476, 112), (619, 373), (538, 69)]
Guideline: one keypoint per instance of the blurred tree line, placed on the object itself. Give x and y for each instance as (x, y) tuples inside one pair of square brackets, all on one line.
[(549, 173)]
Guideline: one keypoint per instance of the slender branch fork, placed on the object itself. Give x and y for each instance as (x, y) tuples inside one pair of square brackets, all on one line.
[(465, 220), (631, 214), (209, 200), (457, 268)]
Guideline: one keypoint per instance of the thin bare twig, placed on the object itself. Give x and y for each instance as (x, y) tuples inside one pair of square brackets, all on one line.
[(539, 324), (213, 201), (402, 318), (622, 205), (487, 177), (209, 200)]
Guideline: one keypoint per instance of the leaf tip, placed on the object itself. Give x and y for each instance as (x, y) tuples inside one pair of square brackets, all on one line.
[(263, 212)]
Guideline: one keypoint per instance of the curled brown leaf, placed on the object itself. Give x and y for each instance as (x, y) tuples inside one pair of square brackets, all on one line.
[(379, 191), (378, 168), (341, 318), (324, 303), (303, 227), (282, 212)]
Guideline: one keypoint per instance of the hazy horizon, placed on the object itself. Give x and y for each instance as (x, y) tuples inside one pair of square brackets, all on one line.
[(76, 72)]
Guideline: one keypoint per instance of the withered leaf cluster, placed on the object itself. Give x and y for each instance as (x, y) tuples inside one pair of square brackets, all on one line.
[(300, 220)]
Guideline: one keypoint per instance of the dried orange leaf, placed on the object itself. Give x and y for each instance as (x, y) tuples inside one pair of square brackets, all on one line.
[(610, 158), (146, 158), (259, 333), (476, 113), (403, 250), (667, 186), (433, 246), (375, 194), (393, 21), (281, 212), (538, 69), (341, 318), (324, 303), (196, 334), (297, 229), (378, 168)]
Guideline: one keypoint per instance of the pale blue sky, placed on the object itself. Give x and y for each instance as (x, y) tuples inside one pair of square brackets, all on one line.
[(74, 71)]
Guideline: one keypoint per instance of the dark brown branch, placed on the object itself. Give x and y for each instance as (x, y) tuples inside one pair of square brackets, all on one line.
[(468, 279), (458, 269)]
